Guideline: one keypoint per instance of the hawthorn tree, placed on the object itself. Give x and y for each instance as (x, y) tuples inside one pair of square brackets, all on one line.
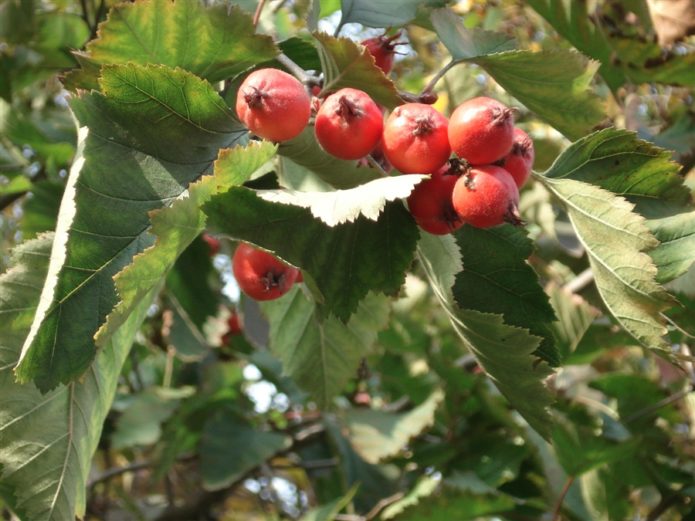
[(536, 371)]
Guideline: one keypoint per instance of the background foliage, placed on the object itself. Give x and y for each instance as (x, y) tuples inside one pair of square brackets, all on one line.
[(526, 373)]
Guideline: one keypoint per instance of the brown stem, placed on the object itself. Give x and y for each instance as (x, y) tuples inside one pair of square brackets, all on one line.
[(561, 498), (257, 14)]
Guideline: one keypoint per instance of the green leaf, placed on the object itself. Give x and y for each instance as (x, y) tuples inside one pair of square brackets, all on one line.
[(321, 356), (152, 132), (572, 21), (464, 43), (643, 173), (345, 261), (329, 511), (604, 493), (214, 43), (616, 238), (452, 504), (503, 351), (230, 447), (341, 206), (422, 489), (558, 91), (377, 435), (497, 279), (305, 151), (379, 13), (48, 439), (41, 209), (574, 317), (176, 226), (348, 64), (17, 183)]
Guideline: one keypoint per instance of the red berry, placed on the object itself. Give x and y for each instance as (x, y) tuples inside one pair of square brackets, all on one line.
[(415, 139), (261, 275), (486, 196), (213, 244), (430, 202), (233, 324), (349, 124), (481, 131), (300, 277), (519, 161), (383, 49), (273, 104)]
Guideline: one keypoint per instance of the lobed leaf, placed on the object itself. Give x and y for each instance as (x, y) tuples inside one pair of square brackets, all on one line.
[(322, 355), (152, 132), (345, 261), (215, 43)]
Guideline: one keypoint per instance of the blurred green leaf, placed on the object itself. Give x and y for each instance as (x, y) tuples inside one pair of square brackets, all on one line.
[(604, 493), (347, 64), (215, 43), (466, 44), (379, 13), (322, 355), (329, 511), (41, 208), (230, 447), (497, 279), (422, 489), (377, 434), (451, 504), (345, 261), (159, 129), (574, 317)]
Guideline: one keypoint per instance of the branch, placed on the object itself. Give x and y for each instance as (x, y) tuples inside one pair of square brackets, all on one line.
[(297, 71), (257, 14), (433, 82), (561, 498), (581, 281)]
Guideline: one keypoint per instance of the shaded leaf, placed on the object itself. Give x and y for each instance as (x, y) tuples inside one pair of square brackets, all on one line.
[(604, 492), (321, 356), (214, 43), (379, 13), (341, 206), (329, 511), (497, 279), (348, 64), (574, 317), (230, 447), (153, 132), (464, 43), (452, 504), (377, 435), (47, 440), (41, 209), (345, 261), (422, 489), (503, 351)]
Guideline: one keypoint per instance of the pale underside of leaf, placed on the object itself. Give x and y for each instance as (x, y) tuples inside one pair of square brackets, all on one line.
[(340, 206)]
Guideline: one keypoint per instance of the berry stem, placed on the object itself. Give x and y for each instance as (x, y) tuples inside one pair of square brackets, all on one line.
[(433, 82), (257, 14), (297, 71)]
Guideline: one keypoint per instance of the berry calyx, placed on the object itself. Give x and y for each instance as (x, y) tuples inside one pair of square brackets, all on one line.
[(481, 130), (273, 104), (486, 196), (430, 203), (261, 275), (383, 48), (415, 139), (349, 124), (519, 161)]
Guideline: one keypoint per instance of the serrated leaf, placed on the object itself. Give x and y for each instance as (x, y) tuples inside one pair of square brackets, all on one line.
[(617, 161), (341, 206), (47, 440), (463, 43), (377, 435), (345, 261), (574, 317), (152, 132), (321, 355), (379, 13), (504, 352), (214, 43), (615, 239), (230, 447), (345, 63), (452, 504), (497, 279), (305, 151), (176, 226), (558, 91), (422, 489)]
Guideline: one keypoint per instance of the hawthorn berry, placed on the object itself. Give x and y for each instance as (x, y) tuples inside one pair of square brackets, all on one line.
[(261, 275), (481, 130), (273, 104), (430, 203), (213, 244), (349, 124), (415, 139), (519, 161), (233, 327), (486, 196), (383, 48)]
